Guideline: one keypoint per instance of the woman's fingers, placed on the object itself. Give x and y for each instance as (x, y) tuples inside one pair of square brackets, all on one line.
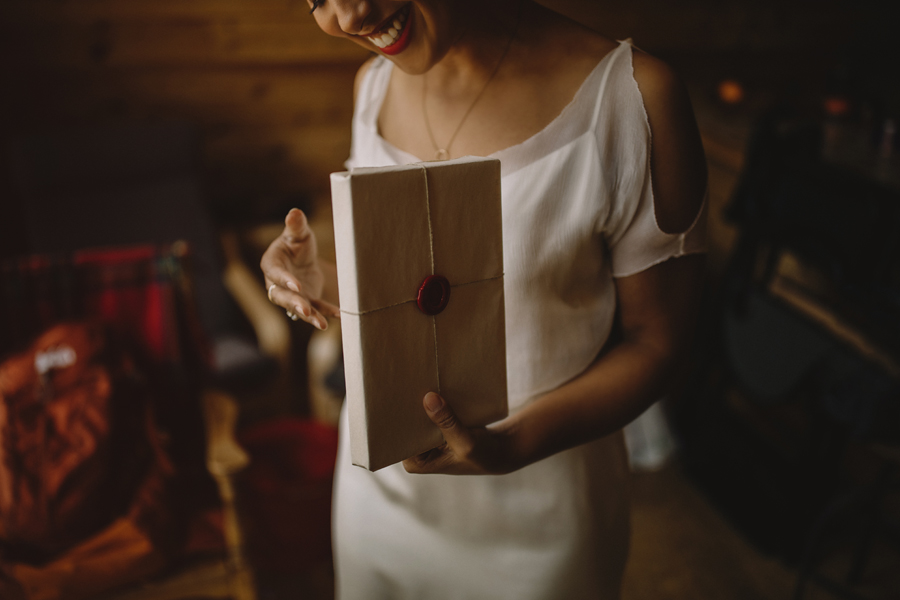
[(327, 308), (294, 249), (457, 435), (466, 451), (437, 460), (317, 320), (296, 227), (281, 276), (298, 304), (453, 456)]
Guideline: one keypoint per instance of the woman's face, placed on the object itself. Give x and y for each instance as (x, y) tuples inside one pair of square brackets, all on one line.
[(414, 34)]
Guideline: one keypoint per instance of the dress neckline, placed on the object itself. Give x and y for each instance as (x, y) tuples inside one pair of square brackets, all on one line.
[(561, 131)]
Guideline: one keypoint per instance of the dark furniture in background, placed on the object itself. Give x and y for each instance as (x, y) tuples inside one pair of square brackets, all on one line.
[(798, 369), (132, 183), (143, 295), (121, 190)]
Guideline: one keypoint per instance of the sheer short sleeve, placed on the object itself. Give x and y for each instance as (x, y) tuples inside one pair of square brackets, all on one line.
[(632, 235)]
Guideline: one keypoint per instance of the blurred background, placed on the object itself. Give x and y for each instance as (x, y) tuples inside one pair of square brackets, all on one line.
[(176, 134)]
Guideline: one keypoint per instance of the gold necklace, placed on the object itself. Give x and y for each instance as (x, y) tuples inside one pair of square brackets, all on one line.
[(444, 153)]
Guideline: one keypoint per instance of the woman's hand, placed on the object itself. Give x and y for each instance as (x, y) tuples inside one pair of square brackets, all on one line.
[(466, 450), (295, 279)]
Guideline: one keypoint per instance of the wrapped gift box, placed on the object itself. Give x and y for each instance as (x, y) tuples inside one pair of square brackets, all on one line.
[(420, 272)]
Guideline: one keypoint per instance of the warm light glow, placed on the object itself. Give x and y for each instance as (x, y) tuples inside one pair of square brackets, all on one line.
[(836, 106), (731, 91)]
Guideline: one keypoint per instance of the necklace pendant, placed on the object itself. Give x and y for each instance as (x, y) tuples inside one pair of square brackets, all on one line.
[(441, 154)]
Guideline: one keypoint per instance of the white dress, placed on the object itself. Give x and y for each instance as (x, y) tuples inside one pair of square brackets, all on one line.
[(577, 212)]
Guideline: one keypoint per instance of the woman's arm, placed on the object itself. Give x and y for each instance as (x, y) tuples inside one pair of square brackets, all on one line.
[(656, 316), (657, 309)]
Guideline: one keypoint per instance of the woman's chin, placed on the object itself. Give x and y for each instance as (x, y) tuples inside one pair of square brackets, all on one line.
[(410, 49)]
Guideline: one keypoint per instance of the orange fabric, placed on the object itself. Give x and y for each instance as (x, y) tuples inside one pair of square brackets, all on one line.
[(54, 440), (120, 554), (84, 478), (141, 297)]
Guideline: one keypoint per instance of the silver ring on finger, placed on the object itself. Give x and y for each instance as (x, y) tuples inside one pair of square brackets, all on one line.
[(269, 293), (292, 316)]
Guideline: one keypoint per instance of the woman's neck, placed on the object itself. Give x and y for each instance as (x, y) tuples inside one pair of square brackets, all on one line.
[(487, 30)]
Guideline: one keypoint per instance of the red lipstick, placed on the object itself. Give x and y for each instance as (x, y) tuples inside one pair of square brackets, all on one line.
[(402, 41)]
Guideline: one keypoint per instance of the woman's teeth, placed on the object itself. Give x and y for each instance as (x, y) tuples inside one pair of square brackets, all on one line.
[(387, 37)]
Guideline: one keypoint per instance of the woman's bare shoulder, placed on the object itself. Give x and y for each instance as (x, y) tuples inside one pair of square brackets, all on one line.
[(677, 160), (657, 81), (558, 56), (564, 41)]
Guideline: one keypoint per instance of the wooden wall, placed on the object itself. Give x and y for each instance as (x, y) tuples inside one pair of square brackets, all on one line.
[(666, 26), (271, 92)]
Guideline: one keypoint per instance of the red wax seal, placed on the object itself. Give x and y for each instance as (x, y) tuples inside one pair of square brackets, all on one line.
[(434, 293)]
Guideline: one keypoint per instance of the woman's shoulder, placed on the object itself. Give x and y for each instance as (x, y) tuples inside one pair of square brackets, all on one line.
[(658, 83), (558, 45), (566, 45), (677, 160), (552, 60)]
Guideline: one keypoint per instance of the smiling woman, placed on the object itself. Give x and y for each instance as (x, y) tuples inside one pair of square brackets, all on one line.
[(591, 242), (392, 36)]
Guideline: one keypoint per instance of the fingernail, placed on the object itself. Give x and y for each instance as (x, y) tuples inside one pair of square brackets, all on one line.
[(433, 402), (321, 324), (292, 286), (304, 310)]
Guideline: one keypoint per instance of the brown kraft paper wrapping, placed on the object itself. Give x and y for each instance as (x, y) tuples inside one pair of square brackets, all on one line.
[(394, 228)]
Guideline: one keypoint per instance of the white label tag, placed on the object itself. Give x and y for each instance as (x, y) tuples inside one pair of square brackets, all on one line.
[(59, 357)]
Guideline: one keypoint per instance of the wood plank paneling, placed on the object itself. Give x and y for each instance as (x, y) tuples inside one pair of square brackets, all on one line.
[(74, 10), (270, 91), (285, 156), (244, 96), (247, 96), (27, 41), (662, 26)]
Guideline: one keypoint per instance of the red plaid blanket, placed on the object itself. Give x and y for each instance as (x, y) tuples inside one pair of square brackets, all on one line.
[(142, 292)]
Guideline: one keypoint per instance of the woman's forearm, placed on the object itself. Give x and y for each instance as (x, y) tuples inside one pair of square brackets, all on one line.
[(657, 310), (656, 314), (617, 388)]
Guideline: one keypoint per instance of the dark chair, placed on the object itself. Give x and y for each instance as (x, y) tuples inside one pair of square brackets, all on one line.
[(799, 348)]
